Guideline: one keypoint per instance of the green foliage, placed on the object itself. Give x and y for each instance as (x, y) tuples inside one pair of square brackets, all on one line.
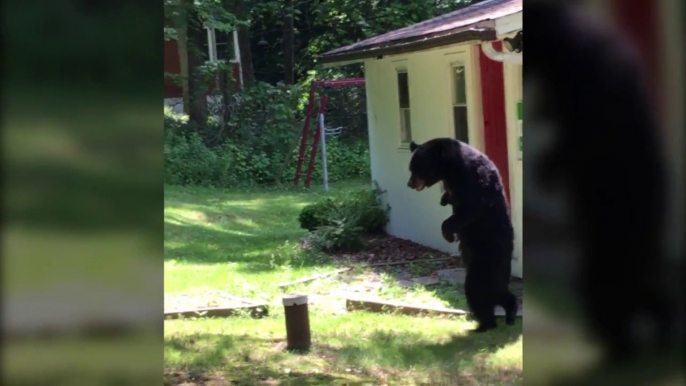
[(259, 151), (289, 255), (338, 223), (341, 235), (365, 208), (252, 137), (318, 214)]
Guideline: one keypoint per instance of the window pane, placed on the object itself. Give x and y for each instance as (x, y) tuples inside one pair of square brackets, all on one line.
[(224, 45), (403, 90), (460, 85), (223, 37), (460, 119), (405, 127)]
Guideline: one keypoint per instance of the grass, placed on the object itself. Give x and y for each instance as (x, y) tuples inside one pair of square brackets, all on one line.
[(246, 243)]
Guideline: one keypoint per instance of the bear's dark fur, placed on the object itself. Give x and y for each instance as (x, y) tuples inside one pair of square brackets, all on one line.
[(480, 218)]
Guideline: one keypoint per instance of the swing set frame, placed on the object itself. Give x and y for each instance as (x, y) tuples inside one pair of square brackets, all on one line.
[(318, 135)]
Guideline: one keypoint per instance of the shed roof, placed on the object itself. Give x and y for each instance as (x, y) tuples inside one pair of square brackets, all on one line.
[(470, 23)]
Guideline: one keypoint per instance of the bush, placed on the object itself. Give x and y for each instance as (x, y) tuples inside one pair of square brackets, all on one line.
[(318, 214), (363, 208), (337, 224), (341, 235)]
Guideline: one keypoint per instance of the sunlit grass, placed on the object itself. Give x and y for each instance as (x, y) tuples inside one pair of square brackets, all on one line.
[(246, 243)]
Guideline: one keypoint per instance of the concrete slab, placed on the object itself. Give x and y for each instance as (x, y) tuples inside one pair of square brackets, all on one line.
[(453, 276), (426, 280)]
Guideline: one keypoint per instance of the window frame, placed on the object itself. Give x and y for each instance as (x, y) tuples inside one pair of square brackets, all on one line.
[(404, 113), (454, 103), (212, 45)]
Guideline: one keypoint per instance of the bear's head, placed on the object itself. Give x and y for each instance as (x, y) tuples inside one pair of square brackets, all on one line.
[(425, 165)]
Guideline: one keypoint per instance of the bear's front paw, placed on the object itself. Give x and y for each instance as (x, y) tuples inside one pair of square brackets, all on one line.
[(448, 235)]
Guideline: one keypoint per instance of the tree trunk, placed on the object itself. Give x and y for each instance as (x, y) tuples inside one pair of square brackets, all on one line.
[(244, 44), (182, 43), (288, 54), (197, 56)]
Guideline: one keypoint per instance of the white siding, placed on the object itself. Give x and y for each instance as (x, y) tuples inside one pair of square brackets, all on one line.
[(417, 216), (513, 94)]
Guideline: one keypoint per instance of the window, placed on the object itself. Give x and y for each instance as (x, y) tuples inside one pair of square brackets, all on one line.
[(459, 86), (223, 45), (404, 99)]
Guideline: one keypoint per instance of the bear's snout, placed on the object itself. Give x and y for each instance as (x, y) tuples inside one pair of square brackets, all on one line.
[(416, 184)]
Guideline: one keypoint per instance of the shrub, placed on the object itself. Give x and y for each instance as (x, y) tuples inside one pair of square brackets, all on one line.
[(363, 207), (318, 214), (341, 235), (337, 224), (366, 207)]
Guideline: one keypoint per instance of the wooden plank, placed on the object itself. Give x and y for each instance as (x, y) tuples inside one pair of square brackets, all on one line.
[(256, 311), (312, 278), (377, 305)]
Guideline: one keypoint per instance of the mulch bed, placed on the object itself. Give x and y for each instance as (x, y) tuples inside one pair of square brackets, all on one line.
[(388, 249)]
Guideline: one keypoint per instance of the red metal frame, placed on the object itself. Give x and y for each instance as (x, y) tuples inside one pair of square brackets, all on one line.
[(308, 118), (306, 129)]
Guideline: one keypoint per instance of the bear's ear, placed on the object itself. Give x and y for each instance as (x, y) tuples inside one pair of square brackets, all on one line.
[(413, 146)]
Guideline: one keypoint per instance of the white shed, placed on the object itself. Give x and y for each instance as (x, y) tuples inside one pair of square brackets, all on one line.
[(449, 76)]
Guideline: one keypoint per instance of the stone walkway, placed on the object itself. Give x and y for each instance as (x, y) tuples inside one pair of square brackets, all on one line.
[(457, 276)]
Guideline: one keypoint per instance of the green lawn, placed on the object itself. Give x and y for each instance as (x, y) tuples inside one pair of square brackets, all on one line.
[(246, 243)]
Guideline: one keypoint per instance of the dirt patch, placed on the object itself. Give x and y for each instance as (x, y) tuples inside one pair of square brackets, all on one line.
[(182, 378), (387, 249), (424, 267)]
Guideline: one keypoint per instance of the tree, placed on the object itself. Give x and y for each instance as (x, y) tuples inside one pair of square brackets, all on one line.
[(196, 37), (288, 54)]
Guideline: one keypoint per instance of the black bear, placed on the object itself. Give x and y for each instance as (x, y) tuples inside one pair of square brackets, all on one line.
[(480, 219)]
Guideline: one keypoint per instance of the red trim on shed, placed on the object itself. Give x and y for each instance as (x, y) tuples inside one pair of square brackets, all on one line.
[(495, 122)]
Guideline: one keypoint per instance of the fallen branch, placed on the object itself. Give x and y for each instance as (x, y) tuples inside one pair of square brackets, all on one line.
[(312, 278)]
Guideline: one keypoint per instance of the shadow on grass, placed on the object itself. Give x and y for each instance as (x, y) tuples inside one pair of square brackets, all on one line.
[(254, 251), (407, 352), (257, 228), (239, 359), (245, 360)]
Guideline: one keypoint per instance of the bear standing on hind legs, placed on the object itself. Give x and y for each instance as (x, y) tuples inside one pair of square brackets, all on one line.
[(480, 218)]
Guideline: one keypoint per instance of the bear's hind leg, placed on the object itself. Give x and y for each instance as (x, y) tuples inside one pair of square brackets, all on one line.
[(482, 307), (509, 303)]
